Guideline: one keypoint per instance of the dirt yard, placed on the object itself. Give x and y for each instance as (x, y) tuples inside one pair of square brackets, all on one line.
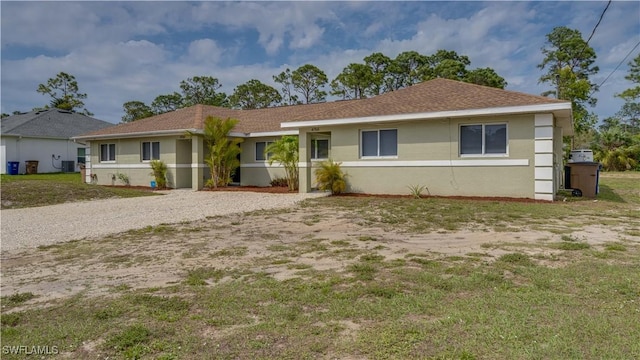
[(282, 243)]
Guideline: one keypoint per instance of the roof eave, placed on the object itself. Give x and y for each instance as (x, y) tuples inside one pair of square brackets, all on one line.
[(136, 134), (560, 110)]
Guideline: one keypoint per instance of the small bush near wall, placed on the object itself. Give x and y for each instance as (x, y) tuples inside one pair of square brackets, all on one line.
[(159, 172), (279, 182)]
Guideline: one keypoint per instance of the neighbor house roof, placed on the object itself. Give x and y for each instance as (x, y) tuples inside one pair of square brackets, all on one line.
[(439, 96), (50, 123)]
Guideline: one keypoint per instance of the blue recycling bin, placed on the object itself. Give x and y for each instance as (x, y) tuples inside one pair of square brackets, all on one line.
[(12, 167)]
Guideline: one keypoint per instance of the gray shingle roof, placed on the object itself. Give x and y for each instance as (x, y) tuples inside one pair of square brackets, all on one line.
[(50, 123)]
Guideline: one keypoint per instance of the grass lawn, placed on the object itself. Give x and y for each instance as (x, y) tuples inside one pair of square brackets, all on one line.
[(20, 191), (257, 285)]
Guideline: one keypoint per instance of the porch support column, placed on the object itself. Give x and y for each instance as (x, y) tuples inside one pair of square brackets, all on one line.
[(197, 163), (304, 165), (543, 158)]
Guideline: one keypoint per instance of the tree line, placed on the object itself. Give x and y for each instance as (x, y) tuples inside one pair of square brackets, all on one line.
[(377, 74)]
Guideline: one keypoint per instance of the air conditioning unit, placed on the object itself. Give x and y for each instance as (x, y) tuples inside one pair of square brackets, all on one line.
[(68, 166), (581, 155)]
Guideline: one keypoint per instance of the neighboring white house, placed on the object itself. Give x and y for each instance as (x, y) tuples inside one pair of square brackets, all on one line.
[(45, 136)]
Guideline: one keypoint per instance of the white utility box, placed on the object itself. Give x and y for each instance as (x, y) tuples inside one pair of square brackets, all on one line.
[(580, 156)]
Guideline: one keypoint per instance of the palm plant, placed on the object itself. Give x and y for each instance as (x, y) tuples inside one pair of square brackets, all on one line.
[(330, 177), (222, 158), (285, 152)]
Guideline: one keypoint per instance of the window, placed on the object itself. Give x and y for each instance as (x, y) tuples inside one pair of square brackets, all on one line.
[(108, 152), (260, 147), (488, 139), (379, 143), (150, 150), (81, 155), (319, 148)]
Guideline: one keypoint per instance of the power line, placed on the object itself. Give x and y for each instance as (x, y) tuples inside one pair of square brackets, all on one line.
[(594, 30), (619, 64), (598, 23)]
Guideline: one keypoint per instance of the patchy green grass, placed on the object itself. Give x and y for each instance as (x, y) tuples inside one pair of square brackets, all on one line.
[(20, 191), (507, 309)]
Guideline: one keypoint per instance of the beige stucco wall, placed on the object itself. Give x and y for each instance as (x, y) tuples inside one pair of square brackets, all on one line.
[(428, 154), (257, 172), (129, 161)]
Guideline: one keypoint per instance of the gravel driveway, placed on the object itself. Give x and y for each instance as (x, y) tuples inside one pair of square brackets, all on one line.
[(32, 227)]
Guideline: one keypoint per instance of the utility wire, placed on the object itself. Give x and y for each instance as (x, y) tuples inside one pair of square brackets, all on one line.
[(594, 30), (619, 64), (598, 23)]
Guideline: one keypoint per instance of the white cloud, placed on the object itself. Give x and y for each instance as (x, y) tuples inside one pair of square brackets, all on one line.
[(203, 51)]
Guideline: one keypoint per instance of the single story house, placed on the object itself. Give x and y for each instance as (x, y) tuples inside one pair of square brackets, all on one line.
[(455, 138), (45, 136)]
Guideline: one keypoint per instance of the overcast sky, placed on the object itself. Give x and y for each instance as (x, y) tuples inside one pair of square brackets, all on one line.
[(123, 51)]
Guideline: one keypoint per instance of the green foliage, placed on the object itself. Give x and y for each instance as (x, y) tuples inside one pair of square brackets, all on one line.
[(254, 95), (17, 298), (285, 151), (617, 149), (159, 172), (124, 178), (128, 338), (352, 82), (416, 190), (633, 93), (568, 60), (380, 74), (166, 103), (136, 110), (279, 182), (308, 80), (223, 151), (284, 79), (202, 90), (329, 176), (64, 93)]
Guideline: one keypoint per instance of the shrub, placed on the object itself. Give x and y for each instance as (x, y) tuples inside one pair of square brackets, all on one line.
[(416, 190), (285, 151), (159, 171), (279, 182), (124, 179), (330, 177)]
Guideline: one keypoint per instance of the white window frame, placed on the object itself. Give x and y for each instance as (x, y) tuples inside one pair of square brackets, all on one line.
[(266, 156), (313, 151), (109, 154), (81, 159), (483, 153), (378, 156), (150, 144)]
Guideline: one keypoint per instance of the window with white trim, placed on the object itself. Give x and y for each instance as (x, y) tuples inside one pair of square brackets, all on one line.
[(483, 139), (107, 152), (150, 150), (319, 149), (379, 143), (81, 155), (261, 146)]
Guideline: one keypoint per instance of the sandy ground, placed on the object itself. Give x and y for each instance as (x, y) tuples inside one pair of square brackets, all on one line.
[(283, 243)]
